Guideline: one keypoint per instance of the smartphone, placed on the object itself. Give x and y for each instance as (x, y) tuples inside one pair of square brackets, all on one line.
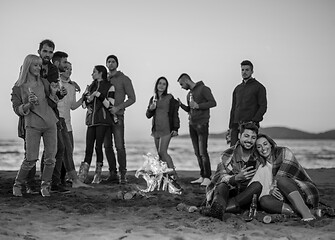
[(252, 164)]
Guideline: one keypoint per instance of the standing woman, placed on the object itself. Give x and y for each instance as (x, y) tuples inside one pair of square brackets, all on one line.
[(98, 98), (29, 99), (291, 189), (163, 108)]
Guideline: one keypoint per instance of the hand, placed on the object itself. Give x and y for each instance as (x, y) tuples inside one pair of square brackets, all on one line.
[(63, 91), (153, 105), (97, 94), (246, 173), (54, 87), (32, 99), (274, 191), (174, 133), (114, 110), (194, 105)]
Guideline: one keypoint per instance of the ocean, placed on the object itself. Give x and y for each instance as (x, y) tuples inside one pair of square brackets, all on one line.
[(310, 153)]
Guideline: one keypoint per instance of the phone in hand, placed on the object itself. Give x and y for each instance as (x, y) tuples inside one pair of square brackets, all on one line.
[(251, 164)]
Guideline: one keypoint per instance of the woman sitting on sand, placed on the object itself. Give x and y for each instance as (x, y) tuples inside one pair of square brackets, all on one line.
[(163, 108), (287, 188), (29, 100)]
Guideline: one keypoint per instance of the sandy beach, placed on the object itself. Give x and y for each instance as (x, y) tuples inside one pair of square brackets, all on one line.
[(97, 213)]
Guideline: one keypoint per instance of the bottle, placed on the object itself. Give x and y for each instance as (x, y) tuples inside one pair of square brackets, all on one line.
[(187, 208), (191, 101), (253, 207), (35, 97)]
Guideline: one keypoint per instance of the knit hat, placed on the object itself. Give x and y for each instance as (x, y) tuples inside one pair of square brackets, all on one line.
[(115, 58)]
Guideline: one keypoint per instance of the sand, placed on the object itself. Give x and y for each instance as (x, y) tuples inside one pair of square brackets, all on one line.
[(98, 214)]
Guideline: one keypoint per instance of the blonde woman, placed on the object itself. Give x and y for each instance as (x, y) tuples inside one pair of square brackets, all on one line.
[(29, 99)]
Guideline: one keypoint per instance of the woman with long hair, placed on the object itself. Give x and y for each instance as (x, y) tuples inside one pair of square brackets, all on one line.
[(163, 109), (98, 98), (30, 101), (288, 187)]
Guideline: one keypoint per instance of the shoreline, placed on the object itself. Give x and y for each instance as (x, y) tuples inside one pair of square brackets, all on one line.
[(98, 214)]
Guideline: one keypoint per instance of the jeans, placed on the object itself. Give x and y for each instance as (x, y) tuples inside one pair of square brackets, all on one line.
[(95, 134), (118, 131), (33, 138), (67, 156), (199, 137), (64, 146)]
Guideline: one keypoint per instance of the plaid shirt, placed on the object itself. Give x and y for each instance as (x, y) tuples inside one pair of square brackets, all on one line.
[(230, 165), (286, 165)]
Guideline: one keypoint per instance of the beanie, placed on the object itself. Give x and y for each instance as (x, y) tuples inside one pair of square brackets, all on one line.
[(115, 58)]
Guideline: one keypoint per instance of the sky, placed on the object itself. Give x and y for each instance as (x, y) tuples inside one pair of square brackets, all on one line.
[(290, 42)]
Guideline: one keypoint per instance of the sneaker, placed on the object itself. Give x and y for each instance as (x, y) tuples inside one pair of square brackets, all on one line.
[(31, 190), (199, 180), (17, 191), (205, 182), (45, 191), (59, 189)]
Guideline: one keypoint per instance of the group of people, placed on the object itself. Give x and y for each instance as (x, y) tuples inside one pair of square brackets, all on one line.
[(44, 96)]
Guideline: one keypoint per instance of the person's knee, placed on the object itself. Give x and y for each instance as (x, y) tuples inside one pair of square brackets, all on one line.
[(28, 165), (257, 187), (265, 203), (49, 161)]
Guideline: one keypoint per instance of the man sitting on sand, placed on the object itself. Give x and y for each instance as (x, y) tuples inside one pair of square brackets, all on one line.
[(229, 189)]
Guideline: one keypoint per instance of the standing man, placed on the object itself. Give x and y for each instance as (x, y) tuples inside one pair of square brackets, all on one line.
[(123, 87), (249, 102), (199, 101), (229, 189)]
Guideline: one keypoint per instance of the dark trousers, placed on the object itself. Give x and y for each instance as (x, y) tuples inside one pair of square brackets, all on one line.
[(116, 130), (95, 135), (199, 136)]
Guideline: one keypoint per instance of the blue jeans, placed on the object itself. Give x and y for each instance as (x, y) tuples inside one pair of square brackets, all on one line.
[(199, 136), (32, 140), (118, 131)]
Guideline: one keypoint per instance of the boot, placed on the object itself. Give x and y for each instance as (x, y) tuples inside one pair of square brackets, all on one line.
[(113, 178), (286, 209), (232, 206), (76, 183), (123, 178), (97, 176), (300, 205), (45, 189), (83, 171), (218, 205)]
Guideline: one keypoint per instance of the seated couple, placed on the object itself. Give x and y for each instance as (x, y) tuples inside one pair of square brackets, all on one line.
[(256, 165)]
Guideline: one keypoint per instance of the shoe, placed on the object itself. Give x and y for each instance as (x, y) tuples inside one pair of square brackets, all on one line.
[(205, 182), (17, 191), (59, 189), (45, 191), (173, 181), (31, 190), (113, 178), (199, 180), (123, 179)]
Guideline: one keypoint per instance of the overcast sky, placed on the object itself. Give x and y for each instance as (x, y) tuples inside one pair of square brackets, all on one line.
[(290, 42)]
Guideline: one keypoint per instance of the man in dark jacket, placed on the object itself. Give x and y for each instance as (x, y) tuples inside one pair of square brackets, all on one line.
[(249, 102), (199, 101)]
